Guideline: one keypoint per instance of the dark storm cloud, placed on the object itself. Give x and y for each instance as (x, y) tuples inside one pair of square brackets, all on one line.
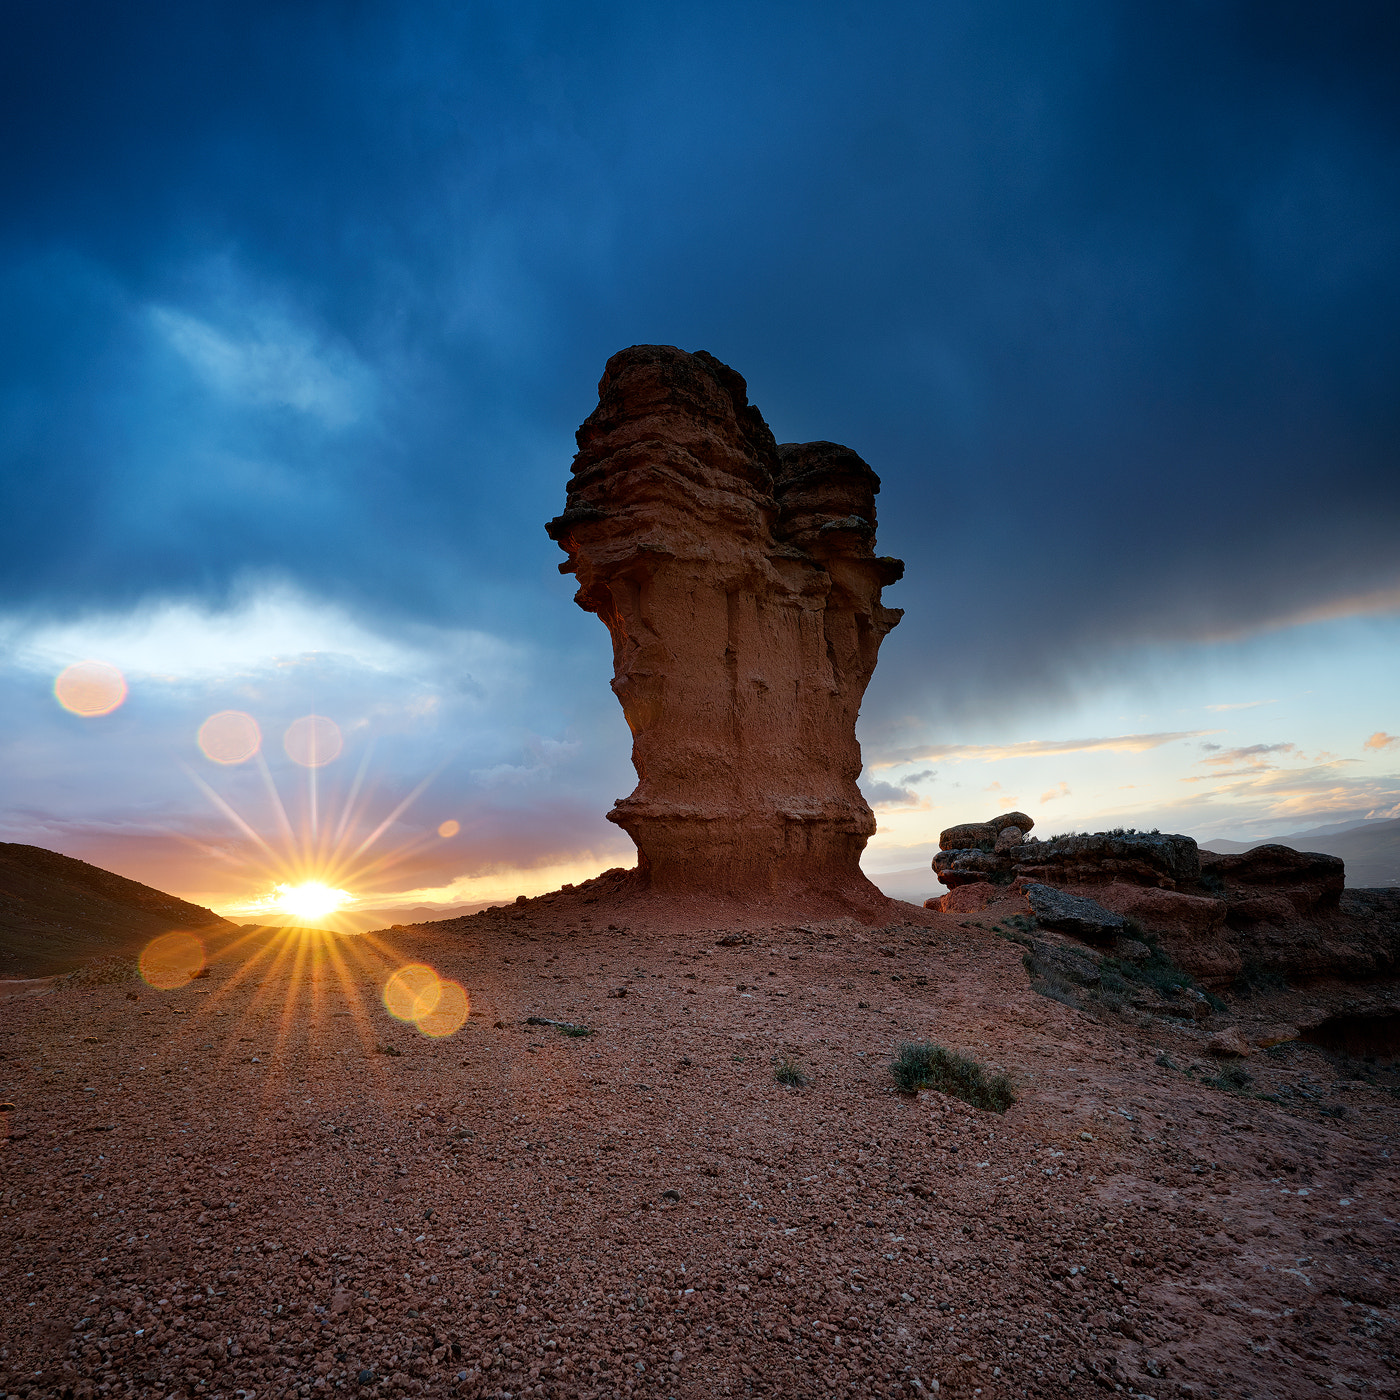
[(1107, 294)]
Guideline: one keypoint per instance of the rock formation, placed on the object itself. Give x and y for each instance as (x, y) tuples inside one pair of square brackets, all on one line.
[(969, 855), (739, 582), (1269, 911)]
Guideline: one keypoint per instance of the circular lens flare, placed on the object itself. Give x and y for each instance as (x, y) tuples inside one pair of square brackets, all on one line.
[(412, 992), (230, 737), (449, 1015), (417, 994), (171, 960), (312, 741), (311, 899), (90, 688), (449, 829)]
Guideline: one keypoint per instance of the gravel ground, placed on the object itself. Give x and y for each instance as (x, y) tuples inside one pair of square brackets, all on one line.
[(261, 1184)]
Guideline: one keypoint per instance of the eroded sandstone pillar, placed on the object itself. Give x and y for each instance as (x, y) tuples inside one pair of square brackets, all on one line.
[(738, 579)]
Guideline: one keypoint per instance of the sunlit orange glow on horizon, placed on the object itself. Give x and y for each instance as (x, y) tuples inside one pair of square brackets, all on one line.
[(90, 688), (312, 899)]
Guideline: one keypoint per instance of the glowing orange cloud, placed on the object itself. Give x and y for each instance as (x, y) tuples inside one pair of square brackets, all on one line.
[(1381, 740)]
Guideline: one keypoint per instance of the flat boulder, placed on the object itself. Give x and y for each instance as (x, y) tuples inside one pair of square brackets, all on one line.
[(1084, 918)]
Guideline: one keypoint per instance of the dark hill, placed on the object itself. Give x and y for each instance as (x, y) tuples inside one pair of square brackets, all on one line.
[(56, 913)]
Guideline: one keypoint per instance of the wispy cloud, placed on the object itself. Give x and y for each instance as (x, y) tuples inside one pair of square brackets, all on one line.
[(1036, 748), (270, 363), (1380, 741), (888, 795), (1242, 705), (1062, 790), (1252, 755)]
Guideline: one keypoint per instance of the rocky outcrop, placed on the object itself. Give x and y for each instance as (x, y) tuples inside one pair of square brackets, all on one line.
[(1268, 878), (1267, 913), (738, 580), (968, 855)]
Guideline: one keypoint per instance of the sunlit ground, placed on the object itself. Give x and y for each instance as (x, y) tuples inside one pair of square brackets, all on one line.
[(294, 974)]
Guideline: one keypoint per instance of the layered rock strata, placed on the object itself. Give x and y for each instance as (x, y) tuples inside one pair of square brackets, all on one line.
[(738, 579), (1139, 858), (1267, 912)]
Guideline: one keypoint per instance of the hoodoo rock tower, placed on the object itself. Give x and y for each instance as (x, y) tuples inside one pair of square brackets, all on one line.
[(738, 579)]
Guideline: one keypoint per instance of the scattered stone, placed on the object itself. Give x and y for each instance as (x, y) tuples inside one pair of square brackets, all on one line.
[(1228, 1043)]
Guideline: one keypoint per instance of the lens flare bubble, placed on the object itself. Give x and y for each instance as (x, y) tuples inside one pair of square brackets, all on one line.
[(449, 829), (90, 688), (449, 1015), (171, 960), (230, 737), (312, 741), (412, 992)]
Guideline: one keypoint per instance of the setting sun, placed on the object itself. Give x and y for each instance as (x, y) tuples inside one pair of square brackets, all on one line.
[(311, 899)]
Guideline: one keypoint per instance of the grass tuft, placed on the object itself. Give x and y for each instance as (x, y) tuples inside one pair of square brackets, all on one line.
[(922, 1065), (787, 1071)]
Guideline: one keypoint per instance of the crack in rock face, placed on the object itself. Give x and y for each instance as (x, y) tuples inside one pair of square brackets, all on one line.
[(738, 579)]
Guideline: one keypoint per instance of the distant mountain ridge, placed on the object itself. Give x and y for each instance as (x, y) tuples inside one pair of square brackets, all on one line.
[(1371, 849), (57, 913)]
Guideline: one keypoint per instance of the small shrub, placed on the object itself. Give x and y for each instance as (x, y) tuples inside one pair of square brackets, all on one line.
[(102, 972), (787, 1071), (1233, 1077), (1333, 1110), (1166, 1061), (577, 1030), (921, 1065)]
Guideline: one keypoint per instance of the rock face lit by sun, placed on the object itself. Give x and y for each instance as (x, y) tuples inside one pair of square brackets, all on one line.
[(311, 899)]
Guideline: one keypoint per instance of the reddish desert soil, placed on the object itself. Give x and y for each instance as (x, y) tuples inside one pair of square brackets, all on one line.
[(226, 1189)]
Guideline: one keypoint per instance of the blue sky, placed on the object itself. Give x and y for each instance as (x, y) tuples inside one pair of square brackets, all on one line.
[(303, 303)]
